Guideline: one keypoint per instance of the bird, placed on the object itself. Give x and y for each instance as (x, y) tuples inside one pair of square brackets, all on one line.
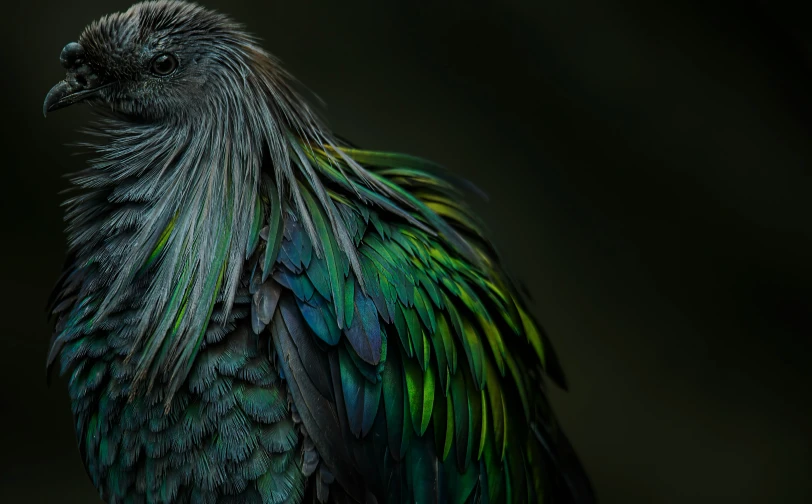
[(253, 309)]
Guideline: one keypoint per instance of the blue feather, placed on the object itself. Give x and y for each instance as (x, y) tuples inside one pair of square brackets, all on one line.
[(361, 397), (319, 316), (365, 332), (317, 273), (299, 284)]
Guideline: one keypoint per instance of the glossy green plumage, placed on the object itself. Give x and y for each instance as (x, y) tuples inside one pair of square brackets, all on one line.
[(430, 342), (418, 380)]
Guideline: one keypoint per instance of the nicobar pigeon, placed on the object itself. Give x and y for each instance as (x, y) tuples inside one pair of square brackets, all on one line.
[(254, 310)]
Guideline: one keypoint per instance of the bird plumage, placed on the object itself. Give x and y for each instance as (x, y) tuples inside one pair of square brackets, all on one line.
[(254, 310)]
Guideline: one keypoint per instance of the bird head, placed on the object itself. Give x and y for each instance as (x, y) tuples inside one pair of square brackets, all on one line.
[(156, 60)]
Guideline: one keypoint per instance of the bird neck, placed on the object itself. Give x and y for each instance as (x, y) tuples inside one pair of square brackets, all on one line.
[(164, 217), (167, 209)]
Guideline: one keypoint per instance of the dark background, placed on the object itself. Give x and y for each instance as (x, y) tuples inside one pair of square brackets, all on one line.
[(648, 171)]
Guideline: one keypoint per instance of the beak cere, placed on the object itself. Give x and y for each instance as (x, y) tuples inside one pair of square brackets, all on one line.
[(81, 81)]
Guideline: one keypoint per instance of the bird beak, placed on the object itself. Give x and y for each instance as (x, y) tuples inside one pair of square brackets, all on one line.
[(65, 94), (80, 83)]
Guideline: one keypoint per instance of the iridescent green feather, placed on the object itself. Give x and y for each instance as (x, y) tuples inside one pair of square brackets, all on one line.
[(435, 302)]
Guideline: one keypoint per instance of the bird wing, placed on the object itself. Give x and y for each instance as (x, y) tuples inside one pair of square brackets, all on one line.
[(420, 379)]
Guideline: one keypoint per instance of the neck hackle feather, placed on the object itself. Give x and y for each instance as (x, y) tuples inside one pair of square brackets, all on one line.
[(171, 205)]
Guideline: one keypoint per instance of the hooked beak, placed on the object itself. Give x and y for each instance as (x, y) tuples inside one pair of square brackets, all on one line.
[(80, 83), (63, 95)]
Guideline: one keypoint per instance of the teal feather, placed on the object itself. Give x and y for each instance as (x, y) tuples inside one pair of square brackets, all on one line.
[(279, 437), (419, 390), (349, 301), (430, 288), (375, 291), (318, 315), (478, 420), (296, 247), (264, 405), (288, 257), (403, 331), (446, 339), (257, 464), (415, 333), (365, 333), (389, 295), (332, 256), (361, 396), (443, 425), (421, 471), (319, 277), (424, 309), (441, 361), (396, 406), (277, 490), (493, 472), (462, 483), (393, 256), (474, 352), (256, 226), (371, 372), (301, 285), (463, 438)]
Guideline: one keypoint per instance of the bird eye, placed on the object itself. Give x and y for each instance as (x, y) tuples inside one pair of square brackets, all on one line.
[(163, 64)]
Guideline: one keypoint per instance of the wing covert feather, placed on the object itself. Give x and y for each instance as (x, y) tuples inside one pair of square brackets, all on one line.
[(410, 399)]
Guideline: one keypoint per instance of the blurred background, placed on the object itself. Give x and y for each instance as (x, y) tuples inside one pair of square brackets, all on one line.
[(648, 167)]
